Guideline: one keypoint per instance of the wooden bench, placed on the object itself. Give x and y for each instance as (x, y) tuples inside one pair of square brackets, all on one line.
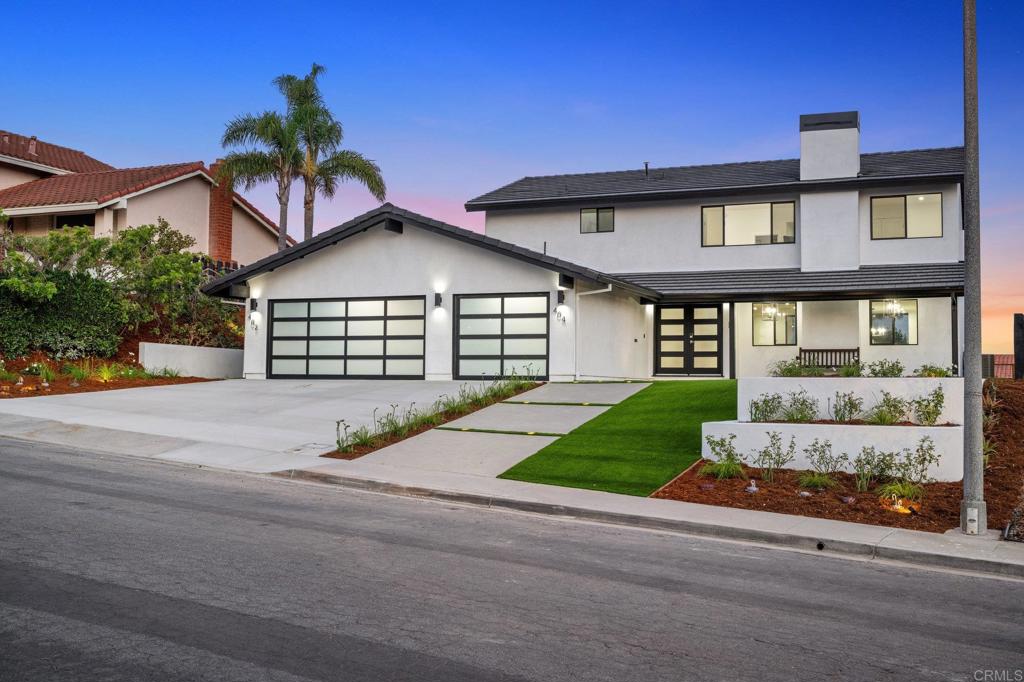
[(828, 358)]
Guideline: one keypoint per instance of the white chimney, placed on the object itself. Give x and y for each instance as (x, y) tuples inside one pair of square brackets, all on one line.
[(830, 145)]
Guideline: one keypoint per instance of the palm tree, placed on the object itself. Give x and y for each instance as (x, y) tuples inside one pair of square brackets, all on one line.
[(324, 164)]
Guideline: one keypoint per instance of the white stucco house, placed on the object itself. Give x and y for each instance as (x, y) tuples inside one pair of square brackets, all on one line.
[(717, 270)]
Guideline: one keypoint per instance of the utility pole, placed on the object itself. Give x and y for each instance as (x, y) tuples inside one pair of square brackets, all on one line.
[(973, 513)]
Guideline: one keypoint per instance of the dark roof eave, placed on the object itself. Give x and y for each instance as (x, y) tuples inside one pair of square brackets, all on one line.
[(663, 194), (812, 295)]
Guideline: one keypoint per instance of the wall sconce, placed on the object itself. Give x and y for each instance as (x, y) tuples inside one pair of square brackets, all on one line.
[(438, 300), (561, 297), (254, 314), (254, 304)]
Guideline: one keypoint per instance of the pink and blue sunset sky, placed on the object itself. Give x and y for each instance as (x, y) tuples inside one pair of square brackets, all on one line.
[(456, 99)]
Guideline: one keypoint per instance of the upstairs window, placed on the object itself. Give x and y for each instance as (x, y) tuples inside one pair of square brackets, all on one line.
[(597, 220), (745, 224), (894, 322), (910, 216), (774, 324)]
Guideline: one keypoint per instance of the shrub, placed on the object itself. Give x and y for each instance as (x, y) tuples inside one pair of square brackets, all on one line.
[(772, 456), (169, 372), (105, 373), (888, 411), (727, 462), (902, 490), (800, 408), (766, 408), (793, 368), (852, 369), (824, 463), (872, 465), (927, 409), (6, 375), (885, 368), (33, 369), (78, 371), (845, 407), (988, 449), (927, 370), (47, 373), (913, 465)]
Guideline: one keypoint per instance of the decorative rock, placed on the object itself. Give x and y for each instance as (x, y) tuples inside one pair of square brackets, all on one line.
[(707, 486), (847, 499), (804, 493)]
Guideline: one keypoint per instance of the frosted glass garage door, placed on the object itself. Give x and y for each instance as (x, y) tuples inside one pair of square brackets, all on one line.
[(501, 334), (359, 338)]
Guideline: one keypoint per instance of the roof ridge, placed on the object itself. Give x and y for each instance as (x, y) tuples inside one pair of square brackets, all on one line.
[(197, 164), (651, 170), (917, 149), (52, 144)]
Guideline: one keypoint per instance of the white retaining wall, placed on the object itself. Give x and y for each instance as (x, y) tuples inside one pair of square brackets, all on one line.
[(751, 436), (192, 361), (868, 388)]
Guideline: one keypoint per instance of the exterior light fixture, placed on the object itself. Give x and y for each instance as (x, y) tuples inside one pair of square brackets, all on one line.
[(254, 304), (437, 300), (254, 314), (561, 297)]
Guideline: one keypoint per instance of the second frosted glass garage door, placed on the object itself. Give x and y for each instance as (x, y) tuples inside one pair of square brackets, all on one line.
[(501, 334)]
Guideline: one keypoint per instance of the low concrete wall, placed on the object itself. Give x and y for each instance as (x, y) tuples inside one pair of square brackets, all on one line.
[(192, 361), (751, 436), (868, 388)]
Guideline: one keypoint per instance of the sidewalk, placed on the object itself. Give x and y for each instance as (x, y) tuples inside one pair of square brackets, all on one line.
[(952, 550)]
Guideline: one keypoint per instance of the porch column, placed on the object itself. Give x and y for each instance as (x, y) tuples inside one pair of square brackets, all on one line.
[(954, 322), (732, 339)]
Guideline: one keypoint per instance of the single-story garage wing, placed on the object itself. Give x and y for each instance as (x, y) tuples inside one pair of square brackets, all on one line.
[(394, 294)]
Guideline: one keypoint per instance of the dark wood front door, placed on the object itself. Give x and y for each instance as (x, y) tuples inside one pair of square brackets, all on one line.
[(688, 339)]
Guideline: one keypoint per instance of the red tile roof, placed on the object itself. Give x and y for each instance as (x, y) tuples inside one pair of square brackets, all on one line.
[(53, 155), (99, 187)]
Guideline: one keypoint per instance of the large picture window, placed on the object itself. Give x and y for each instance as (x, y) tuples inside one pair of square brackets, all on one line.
[(746, 224), (774, 324), (894, 322), (597, 220), (912, 216)]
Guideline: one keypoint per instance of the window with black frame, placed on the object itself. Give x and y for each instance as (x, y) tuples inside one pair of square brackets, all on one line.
[(748, 224), (894, 322), (774, 324)]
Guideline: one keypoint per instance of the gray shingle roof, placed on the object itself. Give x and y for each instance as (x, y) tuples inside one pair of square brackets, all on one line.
[(946, 162), (752, 285)]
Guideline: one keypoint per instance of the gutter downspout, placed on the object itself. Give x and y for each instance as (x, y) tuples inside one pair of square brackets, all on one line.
[(576, 326)]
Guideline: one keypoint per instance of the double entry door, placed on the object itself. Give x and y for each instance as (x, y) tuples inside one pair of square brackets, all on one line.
[(688, 339)]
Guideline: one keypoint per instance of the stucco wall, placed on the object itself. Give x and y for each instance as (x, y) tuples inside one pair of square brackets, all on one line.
[(14, 175), (185, 205), (250, 240), (948, 247), (614, 339), (661, 236), (192, 361), (829, 238), (934, 335), (381, 263), (33, 224)]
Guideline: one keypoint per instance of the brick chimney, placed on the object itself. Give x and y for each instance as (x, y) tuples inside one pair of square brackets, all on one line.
[(221, 206)]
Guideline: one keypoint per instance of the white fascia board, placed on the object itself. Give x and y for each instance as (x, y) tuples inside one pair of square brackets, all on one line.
[(125, 197), (51, 209), (14, 161)]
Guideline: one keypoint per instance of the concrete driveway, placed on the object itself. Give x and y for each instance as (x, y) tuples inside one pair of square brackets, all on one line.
[(237, 424)]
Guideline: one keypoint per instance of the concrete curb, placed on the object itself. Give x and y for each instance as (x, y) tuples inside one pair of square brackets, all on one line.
[(789, 540)]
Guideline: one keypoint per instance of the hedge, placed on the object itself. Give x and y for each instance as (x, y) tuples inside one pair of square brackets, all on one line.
[(84, 318)]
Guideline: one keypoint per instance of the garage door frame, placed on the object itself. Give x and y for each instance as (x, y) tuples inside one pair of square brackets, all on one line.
[(383, 338), (457, 337)]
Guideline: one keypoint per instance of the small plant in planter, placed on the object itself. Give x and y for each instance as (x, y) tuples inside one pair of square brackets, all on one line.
[(910, 473), (800, 408), (927, 409), (766, 408), (988, 449), (888, 411), (852, 369), (727, 462), (793, 368), (845, 407), (105, 373), (934, 371), (824, 464), (885, 368), (772, 456)]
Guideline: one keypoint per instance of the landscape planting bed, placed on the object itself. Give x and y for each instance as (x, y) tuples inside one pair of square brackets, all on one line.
[(32, 386), (940, 511)]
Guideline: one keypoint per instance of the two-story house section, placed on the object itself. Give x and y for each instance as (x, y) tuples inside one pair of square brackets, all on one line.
[(834, 256), (705, 270)]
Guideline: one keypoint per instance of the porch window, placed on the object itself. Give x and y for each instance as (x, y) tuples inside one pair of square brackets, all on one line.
[(597, 220), (774, 324), (745, 224), (74, 220), (910, 216), (894, 322)]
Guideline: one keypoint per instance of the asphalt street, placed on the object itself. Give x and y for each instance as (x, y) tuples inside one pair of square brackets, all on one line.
[(115, 568)]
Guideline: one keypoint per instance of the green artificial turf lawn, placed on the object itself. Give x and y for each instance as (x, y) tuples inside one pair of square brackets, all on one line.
[(637, 446)]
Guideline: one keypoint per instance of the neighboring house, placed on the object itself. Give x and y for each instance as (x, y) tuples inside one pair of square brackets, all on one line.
[(45, 187), (716, 270)]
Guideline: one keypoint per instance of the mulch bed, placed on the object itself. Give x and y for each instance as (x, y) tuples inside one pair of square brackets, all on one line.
[(940, 510), (360, 451), (32, 386)]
